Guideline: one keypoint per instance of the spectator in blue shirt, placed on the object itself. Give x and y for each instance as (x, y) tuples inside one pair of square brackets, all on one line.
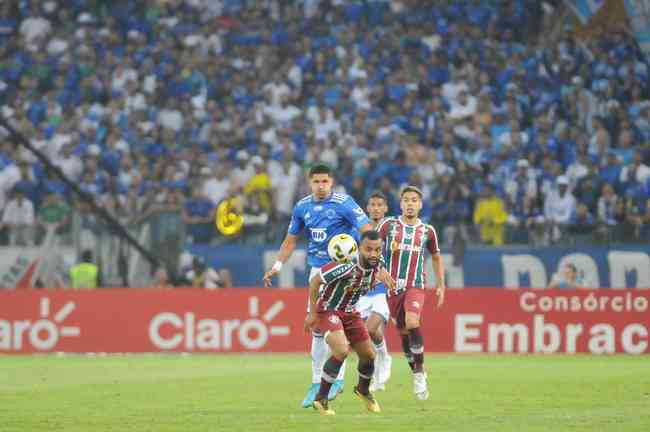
[(198, 216)]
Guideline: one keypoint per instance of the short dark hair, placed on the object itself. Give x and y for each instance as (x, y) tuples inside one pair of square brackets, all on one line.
[(411, 188), (379, 195), (320, 168), (87, 256), (370, 235)]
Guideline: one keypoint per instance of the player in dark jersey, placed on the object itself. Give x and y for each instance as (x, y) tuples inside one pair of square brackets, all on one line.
[(333, 295), (406, 238)]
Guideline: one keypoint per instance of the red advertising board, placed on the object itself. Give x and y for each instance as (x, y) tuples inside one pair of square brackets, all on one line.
[(259, 320)]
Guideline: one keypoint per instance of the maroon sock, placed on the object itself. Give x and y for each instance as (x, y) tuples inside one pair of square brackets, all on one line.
[(330, 372), (417, 349), (366, 369), (406, 346)]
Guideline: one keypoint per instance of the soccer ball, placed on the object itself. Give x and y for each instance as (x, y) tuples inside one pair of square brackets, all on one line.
[(342, 248)]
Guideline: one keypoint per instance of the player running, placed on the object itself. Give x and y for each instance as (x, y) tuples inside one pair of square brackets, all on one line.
[(373, 306), (333, 294), (324, 214), (406, 239)]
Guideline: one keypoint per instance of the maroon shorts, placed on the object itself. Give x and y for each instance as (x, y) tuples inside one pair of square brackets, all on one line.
[(350, 322), (411, 300)]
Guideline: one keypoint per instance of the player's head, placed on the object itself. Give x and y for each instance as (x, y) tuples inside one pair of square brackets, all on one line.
[(320, 181), (370, 249), (570, 272), (377, 206), (410, 201)]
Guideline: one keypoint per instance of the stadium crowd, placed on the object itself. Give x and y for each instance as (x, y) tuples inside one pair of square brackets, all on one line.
[(173, 106)]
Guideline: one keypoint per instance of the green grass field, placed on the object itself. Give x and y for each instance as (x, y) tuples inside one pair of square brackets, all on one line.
[(262, 393)]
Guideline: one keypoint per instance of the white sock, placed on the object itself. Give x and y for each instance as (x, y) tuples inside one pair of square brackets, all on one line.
[(341, 375), (381, 349), (319, 355)]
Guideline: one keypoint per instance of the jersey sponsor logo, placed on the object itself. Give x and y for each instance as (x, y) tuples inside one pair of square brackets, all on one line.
[(318, 208), (337, 271), (334, 319), (318, 234), (330, 214), (416, 304), (409, 248)]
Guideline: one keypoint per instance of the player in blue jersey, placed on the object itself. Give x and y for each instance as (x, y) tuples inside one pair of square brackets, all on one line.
[(322, 215), (373, 306)]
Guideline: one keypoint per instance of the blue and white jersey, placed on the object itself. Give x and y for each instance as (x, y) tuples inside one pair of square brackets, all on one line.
[(324, 219)]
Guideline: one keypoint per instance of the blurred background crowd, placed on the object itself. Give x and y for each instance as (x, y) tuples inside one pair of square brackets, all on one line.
[(516, 129)]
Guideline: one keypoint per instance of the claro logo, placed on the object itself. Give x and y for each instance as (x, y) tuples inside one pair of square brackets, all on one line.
[(169, 331), (42, 334)]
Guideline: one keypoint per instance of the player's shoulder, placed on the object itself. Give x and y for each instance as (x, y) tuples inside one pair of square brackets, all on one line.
[(387, 221), (304, 202), (429, 227), (340, 198), (333, 269)]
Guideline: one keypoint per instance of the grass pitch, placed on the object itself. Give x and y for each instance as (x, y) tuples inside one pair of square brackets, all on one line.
[(263, 392)]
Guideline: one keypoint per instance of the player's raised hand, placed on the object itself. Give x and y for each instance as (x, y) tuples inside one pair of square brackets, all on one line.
[(440, 292), (268, 275), (310, 320)]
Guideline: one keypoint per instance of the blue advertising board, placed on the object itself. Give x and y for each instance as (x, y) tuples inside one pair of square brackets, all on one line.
[(600, 267)]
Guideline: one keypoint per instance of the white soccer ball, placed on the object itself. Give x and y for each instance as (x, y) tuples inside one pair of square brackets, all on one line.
[(342, 248)]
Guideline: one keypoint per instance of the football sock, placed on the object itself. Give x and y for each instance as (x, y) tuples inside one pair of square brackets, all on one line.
[(366, 369), (319, 353), (381, 349), (341, 375), (417, 349), (330, 371), (406, 346)]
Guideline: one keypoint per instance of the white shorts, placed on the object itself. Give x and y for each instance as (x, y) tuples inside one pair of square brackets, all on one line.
[(313, 272), (376, 303)]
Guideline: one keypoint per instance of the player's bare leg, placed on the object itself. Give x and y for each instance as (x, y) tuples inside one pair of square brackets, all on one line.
[(416, 344), (366, 367), (383, 362), (338, 345)]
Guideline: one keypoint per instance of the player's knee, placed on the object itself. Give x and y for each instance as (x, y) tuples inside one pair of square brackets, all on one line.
[(367, 355), (412, 322), (340, 352)]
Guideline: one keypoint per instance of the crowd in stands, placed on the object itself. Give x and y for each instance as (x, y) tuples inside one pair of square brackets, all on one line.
[(173, 106)]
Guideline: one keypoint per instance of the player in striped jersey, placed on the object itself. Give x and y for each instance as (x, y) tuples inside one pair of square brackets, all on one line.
[(321, 215), (333, 294), (373, 306), (406, 238)]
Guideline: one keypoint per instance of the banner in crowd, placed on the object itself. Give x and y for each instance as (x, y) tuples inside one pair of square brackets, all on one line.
[(21, 267), (264, 320), (619, 267), (585, 9), (639, 13)]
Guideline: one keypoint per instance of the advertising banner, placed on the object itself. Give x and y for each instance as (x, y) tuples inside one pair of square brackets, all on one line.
[(617, 267), (266, 320)]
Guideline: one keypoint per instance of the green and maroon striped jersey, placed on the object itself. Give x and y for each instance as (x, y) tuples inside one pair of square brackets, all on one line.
[(405, 245), (343, 285)]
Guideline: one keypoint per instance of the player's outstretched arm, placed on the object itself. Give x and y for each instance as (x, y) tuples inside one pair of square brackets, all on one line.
[(286, 249), (439, 270)]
